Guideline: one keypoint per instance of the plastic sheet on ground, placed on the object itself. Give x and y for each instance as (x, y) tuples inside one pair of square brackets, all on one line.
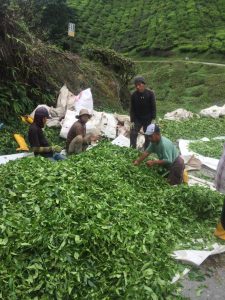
[(121, 141), (197, 257), (207, 161), (6, 158), (178, 115), (193, 180)]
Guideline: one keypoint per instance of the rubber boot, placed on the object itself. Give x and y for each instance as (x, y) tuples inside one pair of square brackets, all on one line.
[(22, 144), (219, 232)]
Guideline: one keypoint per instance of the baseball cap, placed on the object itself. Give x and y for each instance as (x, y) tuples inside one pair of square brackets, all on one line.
[(152, 128)]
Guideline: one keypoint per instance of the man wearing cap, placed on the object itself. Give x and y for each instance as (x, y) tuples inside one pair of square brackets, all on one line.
[(142, 110), (167, 153), (38, 142), (77, 139)]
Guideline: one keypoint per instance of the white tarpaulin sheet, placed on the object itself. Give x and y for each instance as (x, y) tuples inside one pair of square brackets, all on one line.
[(196, 257), (207, 161), (5, 158)]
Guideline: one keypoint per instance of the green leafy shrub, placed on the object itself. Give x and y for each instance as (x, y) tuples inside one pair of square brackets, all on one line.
[(124, 67)]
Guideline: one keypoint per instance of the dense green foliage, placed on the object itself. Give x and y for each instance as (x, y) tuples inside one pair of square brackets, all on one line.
[(152, 27), (213, 148), (184, 84), (33, 72), (124, 67), (96, 227)]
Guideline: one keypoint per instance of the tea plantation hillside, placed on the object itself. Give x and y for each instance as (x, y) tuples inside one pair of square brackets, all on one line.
[(152, 27)]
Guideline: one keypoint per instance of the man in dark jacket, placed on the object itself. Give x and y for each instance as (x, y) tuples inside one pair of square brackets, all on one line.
[(142, 110), (37, 140)]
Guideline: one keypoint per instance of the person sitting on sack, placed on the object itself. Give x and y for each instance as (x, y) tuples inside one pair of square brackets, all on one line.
[(77, 140), (38, 142), (167, 153), (220, 186)]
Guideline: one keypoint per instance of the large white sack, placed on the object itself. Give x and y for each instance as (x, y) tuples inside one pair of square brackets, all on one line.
[(84, 100), (179, 114), (108, 125), (67, 122), (66, 99), (213, 111)]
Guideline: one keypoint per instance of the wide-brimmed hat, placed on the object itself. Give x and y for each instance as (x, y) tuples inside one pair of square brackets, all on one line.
[(83, 112)]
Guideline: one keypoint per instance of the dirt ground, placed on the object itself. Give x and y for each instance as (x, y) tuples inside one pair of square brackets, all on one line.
[(210, 284)]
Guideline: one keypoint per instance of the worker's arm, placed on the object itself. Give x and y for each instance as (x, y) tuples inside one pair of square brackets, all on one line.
[(42, 149), (151, 163), (141, 158)]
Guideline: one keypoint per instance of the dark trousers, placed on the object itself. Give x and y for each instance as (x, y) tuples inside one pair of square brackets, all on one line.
[(134, 133), (176, 171), (223, 216)]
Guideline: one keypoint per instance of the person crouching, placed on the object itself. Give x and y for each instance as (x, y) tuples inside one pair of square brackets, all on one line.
[(167, 153), (77, 138)]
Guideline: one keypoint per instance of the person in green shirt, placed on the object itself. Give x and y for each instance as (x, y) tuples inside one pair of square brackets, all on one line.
[(168, 155)]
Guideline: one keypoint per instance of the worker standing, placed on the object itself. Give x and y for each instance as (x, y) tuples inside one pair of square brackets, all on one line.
[(220, 186), (38, 142), (142, 110), (167, 153)]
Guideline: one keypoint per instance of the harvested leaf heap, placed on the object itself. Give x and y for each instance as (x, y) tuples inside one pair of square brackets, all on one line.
[(96, 227)]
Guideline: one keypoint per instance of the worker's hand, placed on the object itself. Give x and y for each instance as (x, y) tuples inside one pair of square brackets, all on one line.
[(136, 162), (132, 125), (150, 163), (56, 148), (95, 138)]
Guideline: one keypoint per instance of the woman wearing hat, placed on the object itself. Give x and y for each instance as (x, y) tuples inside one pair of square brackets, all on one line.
[(77, 138)]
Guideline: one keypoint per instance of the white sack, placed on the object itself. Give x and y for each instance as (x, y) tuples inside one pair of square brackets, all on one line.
[(213, 111), (67, 122), (108, 125), (179, 114), (66, 99), (84, 100)]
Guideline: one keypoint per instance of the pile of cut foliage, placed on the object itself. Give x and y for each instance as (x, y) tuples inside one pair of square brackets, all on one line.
[(212, 148), (96, 227)]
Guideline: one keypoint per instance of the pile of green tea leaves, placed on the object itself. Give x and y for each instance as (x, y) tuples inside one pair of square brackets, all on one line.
[(96, 227), (195, 128), (212, 148)]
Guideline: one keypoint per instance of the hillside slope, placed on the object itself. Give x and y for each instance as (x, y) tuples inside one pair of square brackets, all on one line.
[(152, 27)]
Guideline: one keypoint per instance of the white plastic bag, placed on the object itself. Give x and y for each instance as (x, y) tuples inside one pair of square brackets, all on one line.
[(67, 122), (84, 100)]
